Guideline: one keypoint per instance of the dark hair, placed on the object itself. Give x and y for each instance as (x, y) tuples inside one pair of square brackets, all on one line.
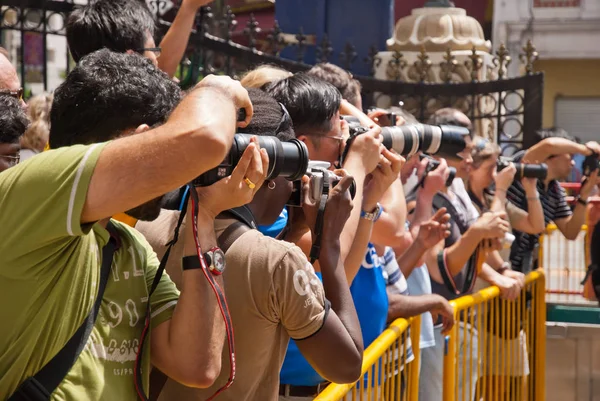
[(13, 119), (108, 93), (450, 116), (118, 25), (340, 78), (270, 117), (554, 132), (310, 101)]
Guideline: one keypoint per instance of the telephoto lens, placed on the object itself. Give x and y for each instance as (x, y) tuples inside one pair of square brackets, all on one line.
[(288, 159), (445, 140), (539, 171)]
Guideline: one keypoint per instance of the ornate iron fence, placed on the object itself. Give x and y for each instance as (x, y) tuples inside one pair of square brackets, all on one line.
[(507, 110)]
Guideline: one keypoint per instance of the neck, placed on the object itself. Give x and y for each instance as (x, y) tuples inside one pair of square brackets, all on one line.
[(257, 211), (477, 190)]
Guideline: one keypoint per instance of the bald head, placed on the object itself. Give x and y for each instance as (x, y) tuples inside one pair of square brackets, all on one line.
[(450, 116), (9, 80)]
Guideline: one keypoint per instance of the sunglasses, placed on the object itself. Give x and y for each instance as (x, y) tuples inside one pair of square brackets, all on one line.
[(18, 94), (12, 160), (156, 50)]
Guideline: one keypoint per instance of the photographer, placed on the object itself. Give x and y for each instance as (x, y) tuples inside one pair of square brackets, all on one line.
[(555, 148), (314, 106), (57, 209), (13, 124), (129, 26), (272, 289), (453, 264)]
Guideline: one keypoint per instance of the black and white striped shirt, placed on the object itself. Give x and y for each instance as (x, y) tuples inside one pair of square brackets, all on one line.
[(555, 207)]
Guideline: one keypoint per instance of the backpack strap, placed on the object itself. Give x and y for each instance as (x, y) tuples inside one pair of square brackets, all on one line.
[(41, 386)]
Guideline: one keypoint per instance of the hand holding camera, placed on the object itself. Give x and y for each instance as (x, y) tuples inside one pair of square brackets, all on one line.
[(337, 209), (434, 170), (231, 88), (505, 177), (492, 225), (240, 187), (384, 175), (365, 150)]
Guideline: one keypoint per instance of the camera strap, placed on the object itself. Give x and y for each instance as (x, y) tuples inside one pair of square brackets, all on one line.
[(41, 386), (315, 250), (158, 379), (440, 201)]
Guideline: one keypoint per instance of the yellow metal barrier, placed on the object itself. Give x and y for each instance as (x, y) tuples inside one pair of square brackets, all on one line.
[(390, 373), (565, 263), (496, 351)]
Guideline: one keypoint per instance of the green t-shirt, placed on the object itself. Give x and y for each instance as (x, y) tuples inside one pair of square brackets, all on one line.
[(49, 272)]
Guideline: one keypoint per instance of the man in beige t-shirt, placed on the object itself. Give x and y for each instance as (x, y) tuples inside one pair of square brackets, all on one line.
[(272, 290)]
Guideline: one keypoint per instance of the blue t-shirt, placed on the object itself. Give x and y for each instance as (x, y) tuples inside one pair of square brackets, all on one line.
[(274, 229), (371, 302)]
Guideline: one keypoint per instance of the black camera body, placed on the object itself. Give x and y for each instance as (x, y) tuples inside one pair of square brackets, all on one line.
[(321, 182), (433, 164), (288, 159), (591, 163), (539, 171), (406, 140)]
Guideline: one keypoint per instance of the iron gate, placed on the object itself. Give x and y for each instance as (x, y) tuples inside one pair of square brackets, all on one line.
[(508, 110)]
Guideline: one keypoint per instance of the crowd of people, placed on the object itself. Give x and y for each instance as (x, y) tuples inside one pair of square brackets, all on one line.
[(260, 300)]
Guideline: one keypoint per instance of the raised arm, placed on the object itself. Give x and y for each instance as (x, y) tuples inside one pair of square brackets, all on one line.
[(175, 42), (138, 168), (553, 146), (335, 351), (188, 348)]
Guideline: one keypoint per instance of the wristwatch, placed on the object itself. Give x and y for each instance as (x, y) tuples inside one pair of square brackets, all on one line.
[(584, 202), (374, 215), (215, 259)]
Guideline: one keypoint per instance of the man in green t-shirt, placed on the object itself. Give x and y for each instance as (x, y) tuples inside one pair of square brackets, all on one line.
[(54, 210)]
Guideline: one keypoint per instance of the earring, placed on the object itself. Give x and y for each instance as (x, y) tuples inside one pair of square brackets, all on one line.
[(271, 185)]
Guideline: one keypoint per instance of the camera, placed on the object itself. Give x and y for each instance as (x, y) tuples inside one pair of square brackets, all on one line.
[(539, 171), (288, 159), (407, 140), (590, 164), (321, 181), (432, 164)]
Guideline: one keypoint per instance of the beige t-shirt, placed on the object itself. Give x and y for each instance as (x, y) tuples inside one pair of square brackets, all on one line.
[(273, 294)]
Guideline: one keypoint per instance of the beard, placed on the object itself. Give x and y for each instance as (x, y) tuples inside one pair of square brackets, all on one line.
[(148, 211)]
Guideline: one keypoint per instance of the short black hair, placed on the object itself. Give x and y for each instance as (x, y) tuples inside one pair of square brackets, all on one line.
[(340, 78), (13, 119), (118, 25), (108, 93), (310, 101), (554, 132), (270, 117)]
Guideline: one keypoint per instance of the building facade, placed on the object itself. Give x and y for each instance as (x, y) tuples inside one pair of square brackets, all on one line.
[(566, 34)]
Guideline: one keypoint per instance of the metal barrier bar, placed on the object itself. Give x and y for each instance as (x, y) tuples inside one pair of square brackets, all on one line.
[(380, 357), (494, 334), (500, 334)]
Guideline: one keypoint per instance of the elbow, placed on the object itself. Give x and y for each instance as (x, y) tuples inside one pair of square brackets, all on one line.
[(201, 375), (350, 371), (572, 236)]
